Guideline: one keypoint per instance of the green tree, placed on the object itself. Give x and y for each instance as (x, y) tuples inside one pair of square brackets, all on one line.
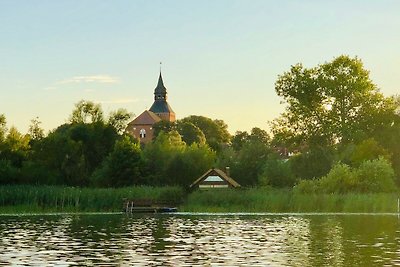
[(3, 127), (8, 173), (311, 164), (119, 119), (122, 167), (388, 136), (368, 149), (75, 150), (190, 133), (256, 135), (35, 132), (277, 173), (248, 164), (86, 112), (159, 154), (163, 126), (215, 131), (372, 176), (333, 102), (375, 176), (239, 139), (15, 147), (186, 167)]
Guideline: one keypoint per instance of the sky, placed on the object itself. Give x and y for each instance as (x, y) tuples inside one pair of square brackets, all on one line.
[(220, 59)]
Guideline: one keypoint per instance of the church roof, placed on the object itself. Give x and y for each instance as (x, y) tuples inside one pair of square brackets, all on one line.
[(146, 118), (161, 106)]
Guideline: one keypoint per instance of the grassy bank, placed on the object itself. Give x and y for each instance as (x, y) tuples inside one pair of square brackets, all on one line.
[(39, 199), (269, 200), (33, 199)]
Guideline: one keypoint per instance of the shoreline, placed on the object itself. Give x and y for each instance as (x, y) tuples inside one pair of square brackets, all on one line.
[(256, 200)]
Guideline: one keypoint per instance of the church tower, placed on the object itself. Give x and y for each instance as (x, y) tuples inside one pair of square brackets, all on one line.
[(142, 126), (160, 106)]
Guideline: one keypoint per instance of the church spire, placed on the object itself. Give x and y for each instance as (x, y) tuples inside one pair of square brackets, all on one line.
[(160, 93), (160, 106)]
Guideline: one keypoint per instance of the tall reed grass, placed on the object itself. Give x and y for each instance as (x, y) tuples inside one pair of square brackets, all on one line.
[(27, 198), (273, 200), (32, 199)]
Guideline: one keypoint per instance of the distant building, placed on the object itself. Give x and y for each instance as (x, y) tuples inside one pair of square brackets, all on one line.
[(215, 178), (142, 126)]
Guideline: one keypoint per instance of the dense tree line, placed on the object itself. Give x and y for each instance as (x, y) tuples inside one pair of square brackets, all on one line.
[(338, 134)]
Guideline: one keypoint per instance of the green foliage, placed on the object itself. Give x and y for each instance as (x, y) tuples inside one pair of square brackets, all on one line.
[(239, 139), (191, 133), (388, 137), (170, 161), (159, 154), (283, 200), (307, 187), (373, 176), (163, 126), (256, 135), (277, 173), (246, 156), (215, 131), (60, 198), (8, 173), (15, 148), (367, 149), (35, 132), (249, 162), (313, 163), (86, 112), (75, 150), (335, 101), (186, 167), (340, 179), (35, 173), (3, 127), (121, 167), (119, 119)]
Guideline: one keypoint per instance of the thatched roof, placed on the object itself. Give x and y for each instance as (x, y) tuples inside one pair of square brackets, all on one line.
[(220, 173)]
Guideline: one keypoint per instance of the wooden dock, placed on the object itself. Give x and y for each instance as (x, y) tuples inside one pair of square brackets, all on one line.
[(146, 206)]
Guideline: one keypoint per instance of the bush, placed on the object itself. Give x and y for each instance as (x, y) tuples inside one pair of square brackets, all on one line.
[(340, 179), (375, 176), (8, 173), (307, 187)]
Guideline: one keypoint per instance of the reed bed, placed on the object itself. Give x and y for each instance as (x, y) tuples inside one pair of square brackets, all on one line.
[(37, 199), (26, 198), (285, 200)]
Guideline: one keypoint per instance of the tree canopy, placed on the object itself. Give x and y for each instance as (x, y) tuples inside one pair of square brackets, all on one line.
[(330, 103)]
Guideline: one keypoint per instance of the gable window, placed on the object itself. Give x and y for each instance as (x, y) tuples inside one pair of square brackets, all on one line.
[(142, 133)]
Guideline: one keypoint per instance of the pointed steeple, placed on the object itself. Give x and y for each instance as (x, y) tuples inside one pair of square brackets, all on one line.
[(160, 92), (160, 105)]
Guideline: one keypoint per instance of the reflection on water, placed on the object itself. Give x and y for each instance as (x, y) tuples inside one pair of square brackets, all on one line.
[(190, 240)]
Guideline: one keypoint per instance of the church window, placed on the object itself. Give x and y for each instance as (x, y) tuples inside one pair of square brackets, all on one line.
[(142, 133)]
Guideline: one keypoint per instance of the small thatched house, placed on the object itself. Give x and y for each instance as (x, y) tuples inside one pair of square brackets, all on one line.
[(214, 178)]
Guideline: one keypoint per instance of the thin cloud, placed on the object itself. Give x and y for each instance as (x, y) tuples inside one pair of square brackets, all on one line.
[(91, 79)]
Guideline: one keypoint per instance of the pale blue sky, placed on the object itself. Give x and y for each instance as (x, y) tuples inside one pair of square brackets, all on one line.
[(220, 58)]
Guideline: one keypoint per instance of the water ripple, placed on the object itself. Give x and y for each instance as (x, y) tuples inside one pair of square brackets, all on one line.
[(181, 240)]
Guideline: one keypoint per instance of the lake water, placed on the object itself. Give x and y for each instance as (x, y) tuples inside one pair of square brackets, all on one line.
[(200, 240)]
